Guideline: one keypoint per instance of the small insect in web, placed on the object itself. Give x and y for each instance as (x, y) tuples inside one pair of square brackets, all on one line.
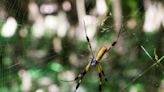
[(94, 62)]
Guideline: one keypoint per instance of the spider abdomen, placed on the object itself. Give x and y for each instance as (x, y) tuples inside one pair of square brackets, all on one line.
[(101, 53)]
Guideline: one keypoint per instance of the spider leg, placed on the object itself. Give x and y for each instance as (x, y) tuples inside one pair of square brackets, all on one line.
[(100, 77), (88, 40), (102, 72), (81, 76), (115, 42)]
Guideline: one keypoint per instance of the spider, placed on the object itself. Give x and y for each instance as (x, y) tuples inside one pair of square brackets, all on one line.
[(94, 62)]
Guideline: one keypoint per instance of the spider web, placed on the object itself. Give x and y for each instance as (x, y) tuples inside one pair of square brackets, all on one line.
[(34, 62), (134, 70)]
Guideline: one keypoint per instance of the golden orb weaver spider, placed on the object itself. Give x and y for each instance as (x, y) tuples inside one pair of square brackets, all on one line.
[(95, 61)]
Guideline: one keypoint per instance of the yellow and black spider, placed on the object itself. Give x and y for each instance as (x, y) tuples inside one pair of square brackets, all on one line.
[(95, 61)]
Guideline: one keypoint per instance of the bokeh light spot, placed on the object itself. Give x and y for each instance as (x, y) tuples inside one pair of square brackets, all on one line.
[(9, 28), (56, 67)]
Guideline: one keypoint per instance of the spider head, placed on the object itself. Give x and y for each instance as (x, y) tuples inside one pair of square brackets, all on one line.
[(93, 62)]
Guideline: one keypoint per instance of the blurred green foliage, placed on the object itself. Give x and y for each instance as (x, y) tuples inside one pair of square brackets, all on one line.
[(38, 58)]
